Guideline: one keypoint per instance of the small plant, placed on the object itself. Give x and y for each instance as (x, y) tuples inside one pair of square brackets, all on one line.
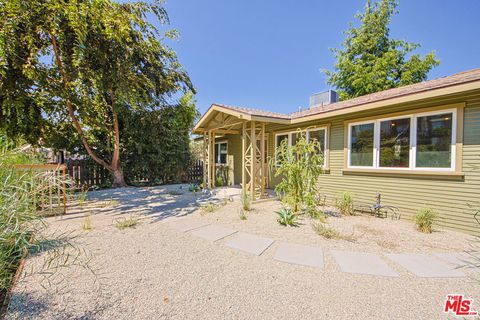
[(219, 182), (110, 203), (246, 201), (424, 219), (286, 217), (194, 187), (242, 214), (327, 232), (87, 223), (124, 223), (315, 213), (210, 207), (345, 204), (82, 197)]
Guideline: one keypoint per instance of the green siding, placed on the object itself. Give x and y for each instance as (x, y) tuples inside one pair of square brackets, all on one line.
[(448, 197)]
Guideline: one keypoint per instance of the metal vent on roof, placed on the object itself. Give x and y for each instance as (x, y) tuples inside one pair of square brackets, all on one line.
[(323, 98)]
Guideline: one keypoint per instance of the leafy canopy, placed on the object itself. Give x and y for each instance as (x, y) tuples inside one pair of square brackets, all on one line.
[(370, 61)]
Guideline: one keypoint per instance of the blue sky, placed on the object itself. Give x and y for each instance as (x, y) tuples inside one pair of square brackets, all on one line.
[(269, 54)]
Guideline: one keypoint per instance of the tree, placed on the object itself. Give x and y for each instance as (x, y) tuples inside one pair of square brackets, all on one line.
[(88, 61), (370, 61), (300, 166)]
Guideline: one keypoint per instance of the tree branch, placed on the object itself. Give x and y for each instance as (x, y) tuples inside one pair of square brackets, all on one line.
[(71, 111)]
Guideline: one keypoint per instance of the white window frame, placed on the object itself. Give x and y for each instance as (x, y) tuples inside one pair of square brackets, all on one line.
[(413, 142), (217, 149), (307, 131)]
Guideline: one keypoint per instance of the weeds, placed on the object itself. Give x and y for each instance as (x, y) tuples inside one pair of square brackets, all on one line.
[(424, 219), (246, 201), (345, 203), (211, 207), (241, 214), (110, 203), (317, 214), (124, 223), (87, 223), (322, 229), (286, 217)]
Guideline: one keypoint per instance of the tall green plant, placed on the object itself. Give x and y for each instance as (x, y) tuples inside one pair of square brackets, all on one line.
[(300, 166)]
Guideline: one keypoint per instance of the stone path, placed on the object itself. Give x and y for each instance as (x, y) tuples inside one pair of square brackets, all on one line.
[(437, 265)]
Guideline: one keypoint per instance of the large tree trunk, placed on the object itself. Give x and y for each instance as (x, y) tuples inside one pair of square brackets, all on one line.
[(118, 179)]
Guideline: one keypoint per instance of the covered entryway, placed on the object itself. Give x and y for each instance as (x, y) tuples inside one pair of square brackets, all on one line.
[(249, 128)]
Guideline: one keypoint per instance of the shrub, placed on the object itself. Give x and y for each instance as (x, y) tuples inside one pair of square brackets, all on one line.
[(194, 187), (345, 203), (124, 223), (286, 217), (211, 207), (315, 213), (424, 219)]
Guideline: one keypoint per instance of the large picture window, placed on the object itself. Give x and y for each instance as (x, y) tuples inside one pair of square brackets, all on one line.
[(424, 141), (319, 134), (221, 152)]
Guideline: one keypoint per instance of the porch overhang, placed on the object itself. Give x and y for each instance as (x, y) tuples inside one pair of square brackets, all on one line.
[(225, 120)]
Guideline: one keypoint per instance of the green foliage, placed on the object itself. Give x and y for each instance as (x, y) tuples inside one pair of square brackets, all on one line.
[(22, 226), (424, 219), (316, 213), (124, 223), (299, 166), (87, 223), (371, 61), (156, 142), (246, 201), (211, 207), (194, 187), (286, 217), (345, 203), (74, 72)]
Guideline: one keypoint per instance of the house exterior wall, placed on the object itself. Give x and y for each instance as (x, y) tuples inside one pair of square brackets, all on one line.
[(449, 197)]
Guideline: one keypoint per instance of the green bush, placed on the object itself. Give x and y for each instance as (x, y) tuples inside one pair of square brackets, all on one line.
[(345, 203), (246, 201), (286, 217), (424, 219)]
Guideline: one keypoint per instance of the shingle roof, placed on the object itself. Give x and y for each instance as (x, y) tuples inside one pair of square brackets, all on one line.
[(255, 112), (456, 79)]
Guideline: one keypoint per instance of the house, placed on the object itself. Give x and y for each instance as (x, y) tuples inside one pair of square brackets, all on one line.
[(417, 145)]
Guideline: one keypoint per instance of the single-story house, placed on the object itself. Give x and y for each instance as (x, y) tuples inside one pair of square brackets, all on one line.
[(417, 145)]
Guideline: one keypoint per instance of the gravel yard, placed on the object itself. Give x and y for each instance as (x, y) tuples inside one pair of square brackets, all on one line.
[(153, 271)]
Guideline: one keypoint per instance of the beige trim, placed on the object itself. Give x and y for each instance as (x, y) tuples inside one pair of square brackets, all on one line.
[(432, 93), (459, 107), (406, 173)]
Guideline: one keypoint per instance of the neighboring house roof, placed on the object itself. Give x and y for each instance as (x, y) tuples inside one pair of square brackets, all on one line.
[(460, 82)]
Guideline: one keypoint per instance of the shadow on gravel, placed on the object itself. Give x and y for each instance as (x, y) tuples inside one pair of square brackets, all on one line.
[(26, 306)]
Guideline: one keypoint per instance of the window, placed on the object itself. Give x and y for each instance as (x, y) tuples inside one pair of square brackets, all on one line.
[(221, 151), (434, 141), (423, 141), (319, 134), (361, 145), (395, 143)]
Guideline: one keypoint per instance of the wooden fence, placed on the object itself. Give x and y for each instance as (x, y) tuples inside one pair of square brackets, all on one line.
[(86, 173)]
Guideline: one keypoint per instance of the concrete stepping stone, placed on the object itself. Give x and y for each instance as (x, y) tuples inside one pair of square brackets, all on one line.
[(249, 243), (426, 266), (185, 225), (212, 232), (300, 254), (456, 259), (363, 263)]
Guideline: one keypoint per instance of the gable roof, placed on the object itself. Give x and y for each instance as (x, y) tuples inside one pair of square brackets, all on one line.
[(460, 82)]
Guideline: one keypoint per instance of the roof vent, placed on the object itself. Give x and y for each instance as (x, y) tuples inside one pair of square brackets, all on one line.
[(323, 98)]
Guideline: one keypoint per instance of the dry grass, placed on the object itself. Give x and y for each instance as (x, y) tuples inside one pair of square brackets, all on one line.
[(124, 223)]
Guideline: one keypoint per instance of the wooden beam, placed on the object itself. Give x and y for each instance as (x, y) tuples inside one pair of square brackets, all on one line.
[(244, 133), (223, 131), (253, 143)]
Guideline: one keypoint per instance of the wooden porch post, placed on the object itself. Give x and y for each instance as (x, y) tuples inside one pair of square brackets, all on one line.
[(205, 160), (253, 142), (262, 164), (213, 161), (244, 133)]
